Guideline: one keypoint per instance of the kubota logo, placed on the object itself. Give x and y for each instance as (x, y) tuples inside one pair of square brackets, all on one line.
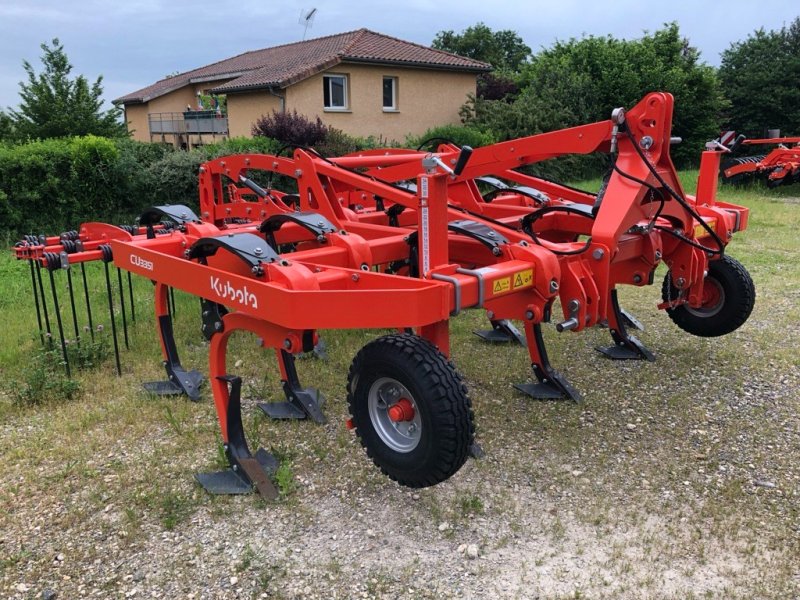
[(140, 262), (227, 292)]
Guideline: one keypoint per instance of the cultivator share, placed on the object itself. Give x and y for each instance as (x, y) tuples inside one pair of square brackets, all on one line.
[(406, 240)]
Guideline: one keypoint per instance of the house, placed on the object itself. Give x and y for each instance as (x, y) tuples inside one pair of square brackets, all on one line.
[(362, 82)]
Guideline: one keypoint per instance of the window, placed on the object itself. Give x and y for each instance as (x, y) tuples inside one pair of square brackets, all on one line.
[(334, 89), (390, 93)]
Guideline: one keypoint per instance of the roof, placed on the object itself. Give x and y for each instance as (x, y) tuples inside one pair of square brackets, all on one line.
[(281, 66)]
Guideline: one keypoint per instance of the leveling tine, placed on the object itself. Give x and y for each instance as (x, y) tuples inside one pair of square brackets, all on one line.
[(36, 300), (86, 298), (111, 310), (122, 305), (72, 305), (44, 303), (57, 310)]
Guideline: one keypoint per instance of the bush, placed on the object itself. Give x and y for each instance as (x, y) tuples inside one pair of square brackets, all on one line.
[(582, 81), (291, 128), (44, 382), (457, 134)]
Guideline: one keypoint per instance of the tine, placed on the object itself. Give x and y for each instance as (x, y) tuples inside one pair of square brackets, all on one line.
[(130, 293), (72, 305), (57, 310), (36, 301), (44, 303), (86, 297), (113, 320), (122, 304)]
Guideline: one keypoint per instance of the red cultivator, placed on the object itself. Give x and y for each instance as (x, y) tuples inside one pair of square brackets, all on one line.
[(780, 167), (404, 239)]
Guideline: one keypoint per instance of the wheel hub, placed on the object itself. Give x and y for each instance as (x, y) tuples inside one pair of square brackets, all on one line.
[(713, 299), (394, 414)]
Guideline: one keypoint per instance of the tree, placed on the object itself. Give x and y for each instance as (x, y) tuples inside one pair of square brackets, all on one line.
[(581, 81), (6, 127), (504, 49), (759, 76), (53, 105)]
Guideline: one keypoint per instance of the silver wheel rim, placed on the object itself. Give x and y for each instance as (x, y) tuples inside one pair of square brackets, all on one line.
[(400, 436), (705, 312)]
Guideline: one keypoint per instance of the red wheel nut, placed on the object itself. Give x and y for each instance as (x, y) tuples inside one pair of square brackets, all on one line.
[(402, 410)]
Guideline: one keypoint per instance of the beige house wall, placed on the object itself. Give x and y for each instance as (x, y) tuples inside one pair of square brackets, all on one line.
[(245, 109), (425, 98), (176, 101), (136, 118)]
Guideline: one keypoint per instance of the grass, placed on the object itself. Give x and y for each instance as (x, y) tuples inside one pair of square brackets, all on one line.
[(673, 497)]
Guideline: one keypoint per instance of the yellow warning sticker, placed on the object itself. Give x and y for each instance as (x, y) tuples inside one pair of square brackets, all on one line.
[(700, 231), (523, 279), (501, 285)]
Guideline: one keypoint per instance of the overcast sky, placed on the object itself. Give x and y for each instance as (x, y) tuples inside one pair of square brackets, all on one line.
[(133, 43)]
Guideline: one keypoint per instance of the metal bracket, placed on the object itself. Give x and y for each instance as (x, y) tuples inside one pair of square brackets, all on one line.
[(212, 313), (178, 213), (480, 232), (249, 247)]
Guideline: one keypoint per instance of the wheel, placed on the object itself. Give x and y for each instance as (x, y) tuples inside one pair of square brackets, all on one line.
[(728, 298), (410, 410)]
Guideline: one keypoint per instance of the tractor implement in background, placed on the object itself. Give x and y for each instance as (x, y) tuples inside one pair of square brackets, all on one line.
[(781, 166)]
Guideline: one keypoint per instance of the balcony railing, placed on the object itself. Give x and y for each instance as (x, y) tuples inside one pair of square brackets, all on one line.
[(192, 122)]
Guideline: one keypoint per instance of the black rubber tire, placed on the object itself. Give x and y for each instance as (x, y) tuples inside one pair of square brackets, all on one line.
[(739, 298), (447, 426)]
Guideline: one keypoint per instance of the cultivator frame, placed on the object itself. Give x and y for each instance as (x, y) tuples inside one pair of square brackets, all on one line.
[(404, 240)]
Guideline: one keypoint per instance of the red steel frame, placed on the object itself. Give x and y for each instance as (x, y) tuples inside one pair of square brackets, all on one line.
[(343, 279)]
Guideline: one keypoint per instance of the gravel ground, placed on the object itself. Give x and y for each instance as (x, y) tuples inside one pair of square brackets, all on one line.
[(675, 479)]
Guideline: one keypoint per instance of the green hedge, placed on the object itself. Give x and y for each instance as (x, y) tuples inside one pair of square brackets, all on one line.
[(54, 185)]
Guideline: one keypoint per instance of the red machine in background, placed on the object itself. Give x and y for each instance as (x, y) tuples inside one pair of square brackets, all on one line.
[(406, 240), (781, 166)]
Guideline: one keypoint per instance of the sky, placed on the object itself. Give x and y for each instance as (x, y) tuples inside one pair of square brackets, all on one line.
[(134, 43)]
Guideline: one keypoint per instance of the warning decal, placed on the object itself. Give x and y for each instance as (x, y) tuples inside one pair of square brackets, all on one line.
[(501, 285), (700, 231), (523, 279)]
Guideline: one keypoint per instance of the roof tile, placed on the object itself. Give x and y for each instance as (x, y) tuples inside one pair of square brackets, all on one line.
[(281, 66)]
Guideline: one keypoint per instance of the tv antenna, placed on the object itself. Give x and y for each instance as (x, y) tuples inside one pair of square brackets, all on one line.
[(307, 20)]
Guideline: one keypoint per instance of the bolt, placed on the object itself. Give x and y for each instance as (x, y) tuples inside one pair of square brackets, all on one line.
[(287, 343), (529, 315), (496, 251), (412, 428), (523, 243), (320, 224), (598, 253), (553, 285), (637, 278), (284, 263), (258, 251), (490, 314), (364, 267), (218, 326), (646, 142), (356, 277), (658, 255), (573, 305), (680, 282)]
